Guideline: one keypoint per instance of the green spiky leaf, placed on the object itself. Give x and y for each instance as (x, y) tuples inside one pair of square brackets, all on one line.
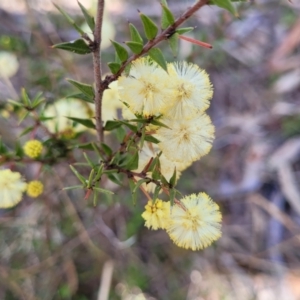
[(184, 30), (78, 46), (134, 34), (114, 67), (86, 122), (149, 27), (120, 50), (167, 18), (84, 88), (157, 56), (173, 43), (69, 19), (89, 19), (111, 125), (226, 4), (135, 47)]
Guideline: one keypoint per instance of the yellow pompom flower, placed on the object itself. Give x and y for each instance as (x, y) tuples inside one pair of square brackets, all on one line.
[(35, 188), (186, 140), (12, 187), (195, 223), (33, 148), (156, 214), (147, 88), (60, 110), (193, 90)]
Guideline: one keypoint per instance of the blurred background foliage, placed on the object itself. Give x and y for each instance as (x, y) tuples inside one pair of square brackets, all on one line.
[(60, 246)]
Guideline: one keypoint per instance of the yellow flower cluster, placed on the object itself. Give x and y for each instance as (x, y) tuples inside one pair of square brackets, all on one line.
[(194, 223), (180, 96), (35, 188), (33, 148), (12, 187)]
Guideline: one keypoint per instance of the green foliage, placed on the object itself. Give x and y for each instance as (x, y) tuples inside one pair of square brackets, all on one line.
[(120, 51), (150, 27), (86, 89), (134, 34), (167, 17), (135, 47), (226, 4), (114, 67), (157, 56), (79, 46), (88, 18)]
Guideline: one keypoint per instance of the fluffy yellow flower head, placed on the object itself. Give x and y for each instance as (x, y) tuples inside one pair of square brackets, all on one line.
[(110, 102), (8, 64), (156, 214), (12, 187), (195, 224), (35, 188), (61, 110), (147, 88), (186, 140), (193, 90), (33, 148)]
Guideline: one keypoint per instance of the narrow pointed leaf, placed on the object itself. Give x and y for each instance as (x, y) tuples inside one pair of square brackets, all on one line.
[(114, 178), (85, 146), (133, 163), (106, 149), (184, 30), (158, 123), (78, 46), (156, 192), (27, 130), (69, 19), (133, 191), (82, 97), (120, 50), (151, 139), (111, 125), (173, 178), (79, 176), (72, 187), (167, 17), (172, 196), (86, 122), (135, 47), (114, 67), (103, 191), (84, 88), (19, 150), (173, 43), (149, 27), (91, 164), (134, 34), (226, 4), (158, 57), (89, 19), (25, 98)]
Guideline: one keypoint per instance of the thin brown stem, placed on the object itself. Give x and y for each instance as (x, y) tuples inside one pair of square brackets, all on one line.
[(97, 70), (161, 37)]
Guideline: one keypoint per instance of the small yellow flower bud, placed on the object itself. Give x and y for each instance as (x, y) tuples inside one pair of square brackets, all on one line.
[(35, 188), (33, 148)]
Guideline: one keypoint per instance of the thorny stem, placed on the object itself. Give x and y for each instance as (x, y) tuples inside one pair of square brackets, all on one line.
[(97, 70), (161, 37)]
